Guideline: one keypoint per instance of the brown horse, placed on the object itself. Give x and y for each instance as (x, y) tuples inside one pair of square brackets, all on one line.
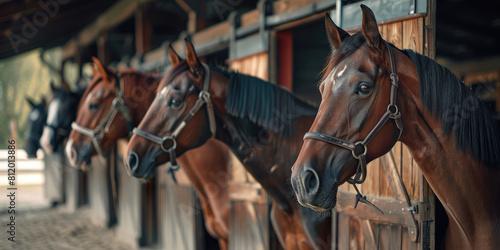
[(128, 95), (447, 129), (262, 123)]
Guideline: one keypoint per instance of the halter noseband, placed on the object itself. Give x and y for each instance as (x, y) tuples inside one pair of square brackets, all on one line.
[(169, 143), (98, 132), (359, 149)]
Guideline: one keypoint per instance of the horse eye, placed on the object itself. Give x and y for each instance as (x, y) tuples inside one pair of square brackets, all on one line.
[(174, 102), (365, 89), (93, 106)]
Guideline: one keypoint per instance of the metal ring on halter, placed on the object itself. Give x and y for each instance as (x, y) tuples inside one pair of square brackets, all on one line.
[(356, 146), (393, 112), (168, 138)]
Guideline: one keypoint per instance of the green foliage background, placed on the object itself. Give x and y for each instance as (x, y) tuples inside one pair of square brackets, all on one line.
[(20, 76)]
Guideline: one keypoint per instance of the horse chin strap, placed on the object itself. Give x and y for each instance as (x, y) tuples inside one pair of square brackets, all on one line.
[(359, 149), (169, 143), (98, 132)]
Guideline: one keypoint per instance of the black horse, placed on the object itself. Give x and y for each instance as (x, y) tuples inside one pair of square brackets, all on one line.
[(36, 122), (61, 112)]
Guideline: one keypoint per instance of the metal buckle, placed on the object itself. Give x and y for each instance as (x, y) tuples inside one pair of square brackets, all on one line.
[(394, 79), (99, 132), (204, 95), (172, 147)]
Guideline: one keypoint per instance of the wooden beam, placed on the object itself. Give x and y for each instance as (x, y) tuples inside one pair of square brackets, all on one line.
[(102, 51), (192, 23), (115, 15), (142, 30)]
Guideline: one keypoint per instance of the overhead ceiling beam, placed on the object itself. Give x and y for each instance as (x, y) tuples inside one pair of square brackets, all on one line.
[(112, 17)]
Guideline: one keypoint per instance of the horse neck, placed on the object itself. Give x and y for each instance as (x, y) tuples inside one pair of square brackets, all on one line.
[(269, 160), (139, 93), (464, 186)]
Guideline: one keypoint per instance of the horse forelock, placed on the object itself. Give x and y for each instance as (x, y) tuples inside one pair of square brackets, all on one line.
[(347, 47), (173, 73)]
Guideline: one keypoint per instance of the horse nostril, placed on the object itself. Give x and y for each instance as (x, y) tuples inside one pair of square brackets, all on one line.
[(133, 161), (311, 181)]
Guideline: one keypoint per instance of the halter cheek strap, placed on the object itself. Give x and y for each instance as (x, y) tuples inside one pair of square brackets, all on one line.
[(98, 132), (359, 149), (169, 143)]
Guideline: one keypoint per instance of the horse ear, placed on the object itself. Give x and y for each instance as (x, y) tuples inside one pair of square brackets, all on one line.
[(369, 27), (53, 86), (101, 69), (65, 87), (173, 56), (335, 34), (191, 57), (32, 104)]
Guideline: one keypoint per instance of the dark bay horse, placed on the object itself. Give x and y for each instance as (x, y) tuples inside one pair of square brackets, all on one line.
[(369, 90), (61, 112), (36, 122), (262, 123), (135, 91)]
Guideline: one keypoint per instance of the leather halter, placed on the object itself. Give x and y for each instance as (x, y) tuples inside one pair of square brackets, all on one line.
[(169, 143), (100, 131), (359, 149)]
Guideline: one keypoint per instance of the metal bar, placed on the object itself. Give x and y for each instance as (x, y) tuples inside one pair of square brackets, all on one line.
[(395, 211), (275, 20), (338, 10), (384, 10)]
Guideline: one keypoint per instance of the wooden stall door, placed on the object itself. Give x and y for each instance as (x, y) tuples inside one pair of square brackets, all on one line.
[(179, 212), (366, 233), (136, 210), (100, 192)]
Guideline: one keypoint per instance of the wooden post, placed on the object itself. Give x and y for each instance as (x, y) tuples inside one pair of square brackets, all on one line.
[(498, 92), (102, 52), (192, 23), (142, 30)]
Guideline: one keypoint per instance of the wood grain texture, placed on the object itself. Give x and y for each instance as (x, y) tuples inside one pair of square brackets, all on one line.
[(254, 65), (343, 232), (413, 34)]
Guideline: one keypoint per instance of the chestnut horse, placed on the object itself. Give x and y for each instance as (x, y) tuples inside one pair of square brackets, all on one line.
[(447, 129), (262, 123), (36, 122), (135, 92)]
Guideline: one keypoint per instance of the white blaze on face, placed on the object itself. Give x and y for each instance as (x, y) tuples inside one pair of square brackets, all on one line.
[(337, 74), (340, 73), (165, 90), (68, 150), (48, 132)]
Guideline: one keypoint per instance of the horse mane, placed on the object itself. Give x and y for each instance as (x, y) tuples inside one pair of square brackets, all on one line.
[(461, 112), (267, 105)]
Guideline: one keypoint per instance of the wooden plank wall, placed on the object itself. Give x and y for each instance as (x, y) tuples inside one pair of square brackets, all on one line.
[(177, 212), (406, 34), (254, 65)]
